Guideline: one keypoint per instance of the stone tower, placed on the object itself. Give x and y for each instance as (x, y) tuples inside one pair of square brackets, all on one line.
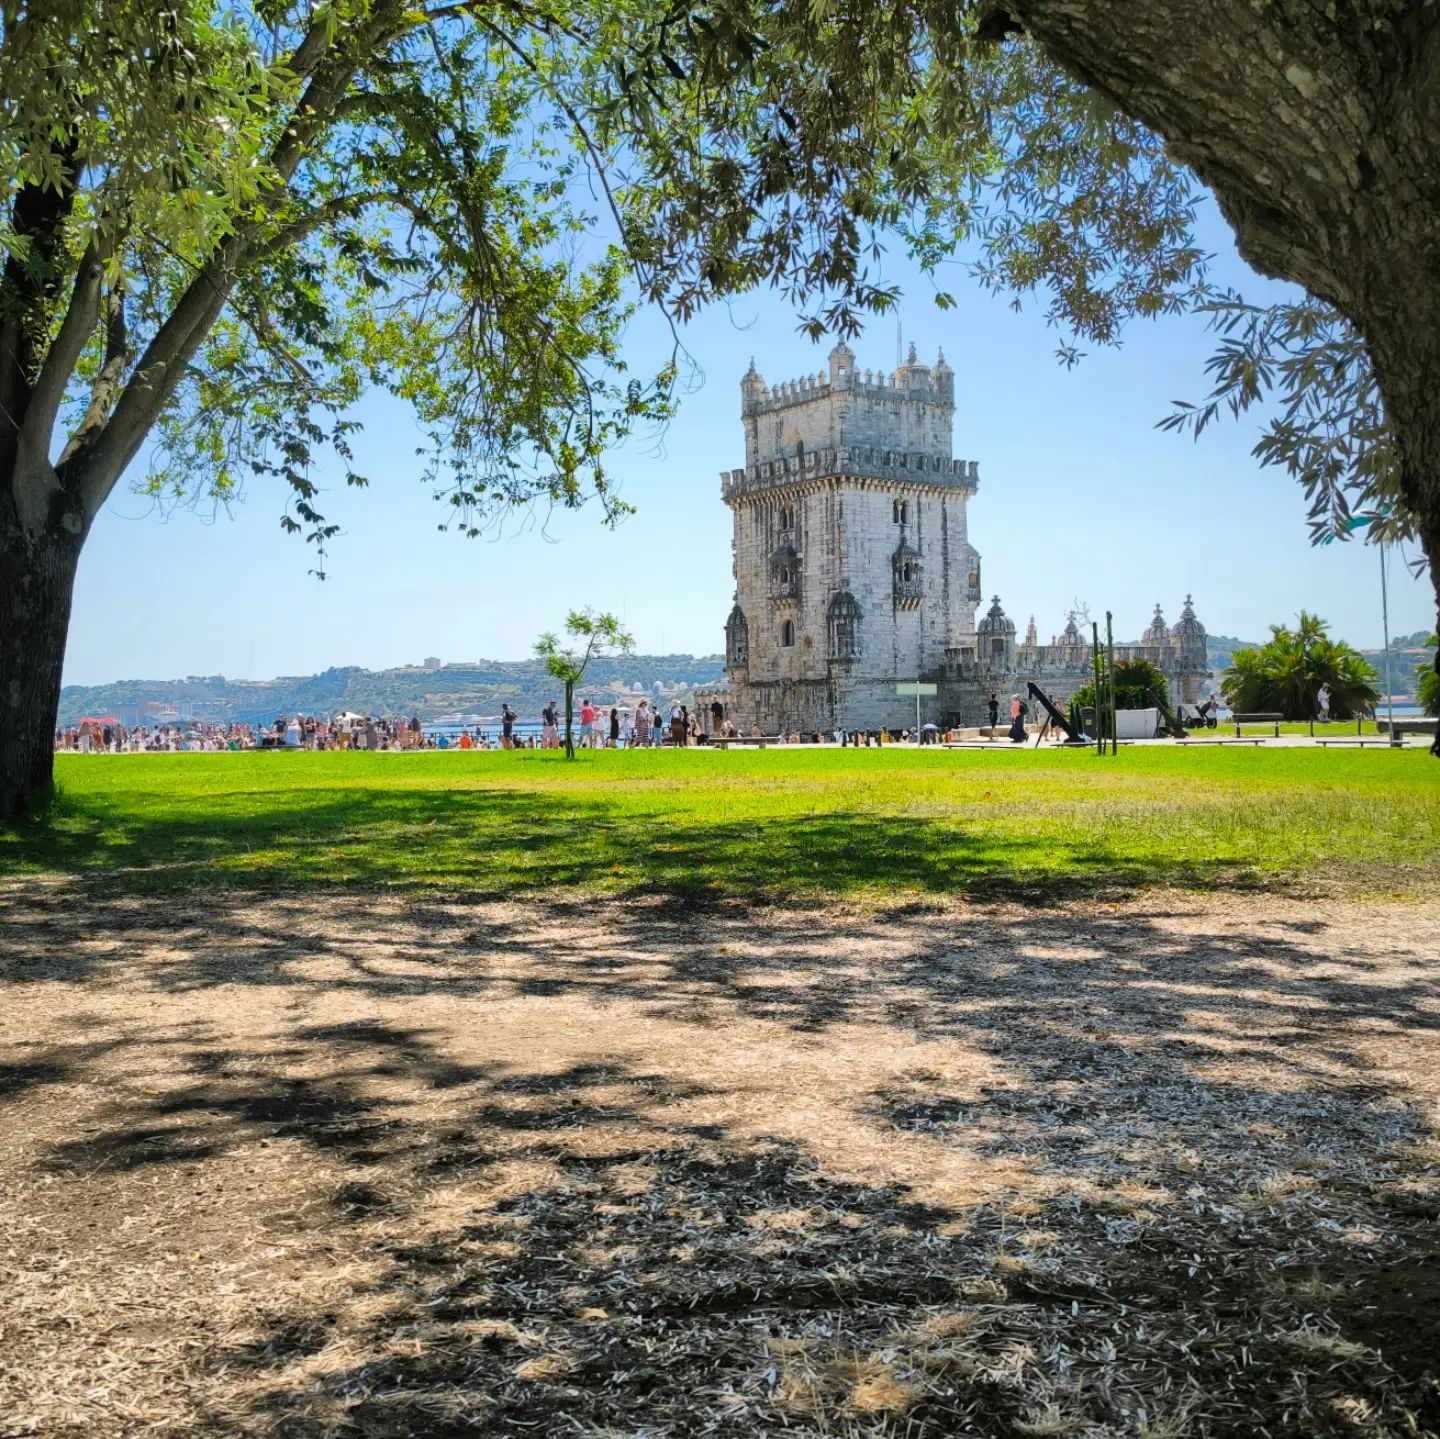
[(852, 564)]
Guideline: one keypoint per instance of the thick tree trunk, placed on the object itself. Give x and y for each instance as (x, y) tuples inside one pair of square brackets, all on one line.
[(37, 582), (1414, 410), (1317, 128)]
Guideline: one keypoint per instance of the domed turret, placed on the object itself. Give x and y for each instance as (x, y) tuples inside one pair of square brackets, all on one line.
[(1156, 634), (942, 379), (1190, 634), (996, 636), (912, 375), (1187, 623), (842, 366), (752, 386), (996, 621)]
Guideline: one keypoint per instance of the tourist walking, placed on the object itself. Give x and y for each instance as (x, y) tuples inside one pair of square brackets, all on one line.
[(994, 707), (642, 723), (1019, 710), (614, 727), (550, 727), (507, 727)]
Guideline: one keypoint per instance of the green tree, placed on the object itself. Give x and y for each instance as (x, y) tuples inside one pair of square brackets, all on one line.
[(1135, 681), (1427, 688), (1286, 673), (221, 225), (593, 637)]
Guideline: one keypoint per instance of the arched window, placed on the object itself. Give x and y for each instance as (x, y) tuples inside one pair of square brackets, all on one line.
[(787, 634), (900, 509), (784, 574), (787, 518), (843, 622), (737, 638)]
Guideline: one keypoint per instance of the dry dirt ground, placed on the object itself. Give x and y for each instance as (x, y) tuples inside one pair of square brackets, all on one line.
[(343, 1167)]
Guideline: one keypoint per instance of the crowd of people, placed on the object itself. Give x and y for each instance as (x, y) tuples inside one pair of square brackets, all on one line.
[(595, 726), (110, 736)]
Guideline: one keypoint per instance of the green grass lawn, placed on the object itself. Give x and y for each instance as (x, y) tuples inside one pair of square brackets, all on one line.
[(774, 824)]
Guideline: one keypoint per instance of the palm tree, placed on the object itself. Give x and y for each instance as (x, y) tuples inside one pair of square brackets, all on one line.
[(1427, 691), (1287, 673)]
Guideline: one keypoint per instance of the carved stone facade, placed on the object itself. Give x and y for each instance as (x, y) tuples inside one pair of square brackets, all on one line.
[(854, 571)]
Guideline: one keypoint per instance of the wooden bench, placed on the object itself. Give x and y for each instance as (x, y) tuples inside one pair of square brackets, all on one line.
[(725, 741), (1270, 719), (1387, 744), (1241, 739)]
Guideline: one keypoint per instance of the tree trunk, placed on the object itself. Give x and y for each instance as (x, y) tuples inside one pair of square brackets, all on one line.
[(1407, 382), (1317, 128), (569, 719), (37, 582)]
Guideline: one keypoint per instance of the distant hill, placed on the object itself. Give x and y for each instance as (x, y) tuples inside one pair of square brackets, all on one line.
[(1219, 648), (476, 688)]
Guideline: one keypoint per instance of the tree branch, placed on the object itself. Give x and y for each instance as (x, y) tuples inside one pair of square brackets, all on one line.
[(81, 317), (97, 465)]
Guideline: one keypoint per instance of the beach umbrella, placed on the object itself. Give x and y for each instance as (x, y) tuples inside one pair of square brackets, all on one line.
[(98, 719)]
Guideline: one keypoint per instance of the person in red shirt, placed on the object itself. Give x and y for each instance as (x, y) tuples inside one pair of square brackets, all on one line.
[(587, 722)]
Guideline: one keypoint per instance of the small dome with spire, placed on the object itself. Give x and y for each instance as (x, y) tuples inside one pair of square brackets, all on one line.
[(1071, 635), (1157, 633), (941, 368), (996, 622), (1188, 627)]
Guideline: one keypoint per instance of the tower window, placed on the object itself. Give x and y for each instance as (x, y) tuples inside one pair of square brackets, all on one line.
[(900, 509), (787, 518), (787, 634)]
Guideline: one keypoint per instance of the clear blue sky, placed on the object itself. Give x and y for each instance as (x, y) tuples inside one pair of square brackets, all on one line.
[(1080, 498)]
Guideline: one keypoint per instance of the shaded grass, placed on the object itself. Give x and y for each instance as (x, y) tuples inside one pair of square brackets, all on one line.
[(756, 825)]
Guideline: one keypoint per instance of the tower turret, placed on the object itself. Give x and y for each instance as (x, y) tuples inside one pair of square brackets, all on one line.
[(752, 388), (996, 637), (842, 366), (1189, 634)]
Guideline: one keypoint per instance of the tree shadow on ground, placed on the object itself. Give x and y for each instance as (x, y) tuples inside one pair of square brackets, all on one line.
[(496, 843), (1180, 1195)]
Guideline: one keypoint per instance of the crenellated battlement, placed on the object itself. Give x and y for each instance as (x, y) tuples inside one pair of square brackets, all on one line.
[(911, 410), (911, 381), (891, 467)]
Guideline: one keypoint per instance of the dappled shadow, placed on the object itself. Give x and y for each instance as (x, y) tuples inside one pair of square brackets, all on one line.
[(1102, 1169), (491, 843)]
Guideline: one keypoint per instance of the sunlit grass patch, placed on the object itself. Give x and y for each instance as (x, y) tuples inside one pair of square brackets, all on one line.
[(777, 824)]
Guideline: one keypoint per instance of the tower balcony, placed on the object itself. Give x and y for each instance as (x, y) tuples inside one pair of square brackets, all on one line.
[(908, 594)]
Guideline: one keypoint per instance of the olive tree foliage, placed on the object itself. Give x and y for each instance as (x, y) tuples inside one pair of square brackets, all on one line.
[(223, 223), (1305, 366), (591, 636)]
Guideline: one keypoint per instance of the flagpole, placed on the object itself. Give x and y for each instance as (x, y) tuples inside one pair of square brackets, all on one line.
[(1385, 623)]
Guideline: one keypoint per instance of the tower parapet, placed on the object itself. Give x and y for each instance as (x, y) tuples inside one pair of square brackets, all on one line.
[(857, 464), (843, 407)]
